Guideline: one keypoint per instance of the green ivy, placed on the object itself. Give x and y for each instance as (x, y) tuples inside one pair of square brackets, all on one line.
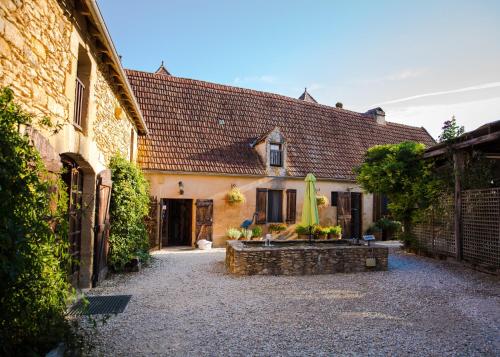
[(129, 207), (34, 257)]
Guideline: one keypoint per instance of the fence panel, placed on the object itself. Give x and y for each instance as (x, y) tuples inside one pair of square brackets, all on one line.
[(481, 226), (435, 231)]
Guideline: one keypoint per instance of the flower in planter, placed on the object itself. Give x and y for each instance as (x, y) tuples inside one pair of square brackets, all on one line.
[(246, 233), (277, 227), (321, 201), (233, 233), (234, 196)]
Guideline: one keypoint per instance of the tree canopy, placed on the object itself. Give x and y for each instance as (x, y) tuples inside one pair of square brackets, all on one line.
[(450, 130), (399, 172)]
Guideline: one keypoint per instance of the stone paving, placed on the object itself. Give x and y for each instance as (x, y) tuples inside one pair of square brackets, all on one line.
[(185, 304)]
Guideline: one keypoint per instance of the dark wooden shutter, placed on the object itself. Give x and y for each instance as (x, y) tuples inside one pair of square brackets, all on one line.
[(101, 243), (344, 213), (204, 219), (291, 206), (261, 205)]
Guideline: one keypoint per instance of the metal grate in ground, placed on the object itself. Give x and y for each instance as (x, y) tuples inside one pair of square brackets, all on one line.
[(111, 304)]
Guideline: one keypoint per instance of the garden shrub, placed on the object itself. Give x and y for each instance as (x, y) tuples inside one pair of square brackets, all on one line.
[(34, 256), (129, 207)]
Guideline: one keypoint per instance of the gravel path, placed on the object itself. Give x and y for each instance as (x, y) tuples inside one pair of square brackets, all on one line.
[(185, 304)]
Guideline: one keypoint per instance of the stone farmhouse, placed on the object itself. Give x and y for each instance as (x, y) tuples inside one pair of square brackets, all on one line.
[(58, 58), (194, 140), (207, 138)]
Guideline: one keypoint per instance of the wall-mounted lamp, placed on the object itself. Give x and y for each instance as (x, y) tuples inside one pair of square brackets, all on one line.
[(181, 187)]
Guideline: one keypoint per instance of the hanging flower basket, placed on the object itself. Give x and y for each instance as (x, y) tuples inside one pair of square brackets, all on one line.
[(322, 201), (234, 196)]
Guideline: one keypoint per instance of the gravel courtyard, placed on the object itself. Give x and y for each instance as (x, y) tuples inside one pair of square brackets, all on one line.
[(185, 304)]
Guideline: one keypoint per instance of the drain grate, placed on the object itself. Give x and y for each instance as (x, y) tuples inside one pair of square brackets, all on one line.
[(111, 304)]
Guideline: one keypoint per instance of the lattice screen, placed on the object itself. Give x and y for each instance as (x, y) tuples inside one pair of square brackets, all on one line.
[(481, 226), (435, 232)]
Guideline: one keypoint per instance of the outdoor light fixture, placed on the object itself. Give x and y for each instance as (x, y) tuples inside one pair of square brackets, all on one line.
[(181, 187)]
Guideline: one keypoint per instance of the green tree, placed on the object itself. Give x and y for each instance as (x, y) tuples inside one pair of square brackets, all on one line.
[(450, 130), (33, 243), (398, 171), (129, 207)]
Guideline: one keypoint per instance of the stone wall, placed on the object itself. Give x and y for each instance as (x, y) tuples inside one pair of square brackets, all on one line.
[(39, 43), (302, 259)]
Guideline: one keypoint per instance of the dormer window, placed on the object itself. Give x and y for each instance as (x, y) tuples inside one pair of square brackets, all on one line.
[(276, 155)]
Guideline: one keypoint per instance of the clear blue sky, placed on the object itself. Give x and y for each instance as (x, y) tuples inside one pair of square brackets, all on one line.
[(443, 54)]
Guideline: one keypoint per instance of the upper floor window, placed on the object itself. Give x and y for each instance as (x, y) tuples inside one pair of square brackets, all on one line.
[(82, 86), (276, 155)]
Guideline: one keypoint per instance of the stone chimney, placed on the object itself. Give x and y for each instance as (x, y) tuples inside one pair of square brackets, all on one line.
[(378, 114)]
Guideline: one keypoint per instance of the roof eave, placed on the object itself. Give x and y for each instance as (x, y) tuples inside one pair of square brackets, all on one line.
[(105, 38)]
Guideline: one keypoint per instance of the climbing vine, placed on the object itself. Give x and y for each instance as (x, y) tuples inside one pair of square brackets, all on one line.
[(34, 255)]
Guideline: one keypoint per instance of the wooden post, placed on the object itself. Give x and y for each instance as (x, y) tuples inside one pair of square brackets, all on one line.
[(458, 164)]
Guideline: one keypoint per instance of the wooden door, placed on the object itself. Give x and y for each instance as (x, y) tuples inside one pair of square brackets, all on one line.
[(344, 213), (101, 230), (204, 219), (73, 178), (356, 215)]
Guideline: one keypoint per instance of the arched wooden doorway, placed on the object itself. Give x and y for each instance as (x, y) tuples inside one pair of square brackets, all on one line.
[(72, 176)]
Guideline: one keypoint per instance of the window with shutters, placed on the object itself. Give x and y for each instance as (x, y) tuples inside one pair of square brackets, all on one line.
[(274, 206), (291, 206)]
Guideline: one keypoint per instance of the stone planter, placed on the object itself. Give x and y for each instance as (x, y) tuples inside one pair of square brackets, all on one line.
[(321, 236), (334, 236)]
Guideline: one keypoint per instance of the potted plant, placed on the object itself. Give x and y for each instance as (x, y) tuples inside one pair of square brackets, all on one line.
[(233, 234), (234, 196), (302, 231), (257, 233), (321, 201), (375, 231), (388, 227), (321, 232), (246, 233), (276, 228), (335, 232)]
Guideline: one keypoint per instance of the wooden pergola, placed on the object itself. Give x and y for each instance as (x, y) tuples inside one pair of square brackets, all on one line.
[(485, 139)]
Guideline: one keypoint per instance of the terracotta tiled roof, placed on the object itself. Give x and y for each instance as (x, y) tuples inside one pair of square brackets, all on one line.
[(197, 126)]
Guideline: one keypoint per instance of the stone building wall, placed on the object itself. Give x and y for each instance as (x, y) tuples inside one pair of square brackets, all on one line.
[(112, 126), (39, 46), (40, 43)]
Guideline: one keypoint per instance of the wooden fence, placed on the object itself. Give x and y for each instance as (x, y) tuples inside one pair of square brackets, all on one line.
[(480, 228)]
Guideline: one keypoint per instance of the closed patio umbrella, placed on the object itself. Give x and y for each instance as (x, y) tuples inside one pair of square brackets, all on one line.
[(310, 216)]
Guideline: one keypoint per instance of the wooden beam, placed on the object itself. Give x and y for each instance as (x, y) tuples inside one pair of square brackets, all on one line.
[(458, 165), (464, 144)]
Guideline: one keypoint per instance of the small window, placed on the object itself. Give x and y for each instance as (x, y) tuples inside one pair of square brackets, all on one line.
[(275, 206), (276, 158), (335, 198), (82, 86)]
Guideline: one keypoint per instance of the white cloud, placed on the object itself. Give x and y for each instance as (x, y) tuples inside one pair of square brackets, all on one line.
[(405, 74), (453, 91), (470, 114)]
